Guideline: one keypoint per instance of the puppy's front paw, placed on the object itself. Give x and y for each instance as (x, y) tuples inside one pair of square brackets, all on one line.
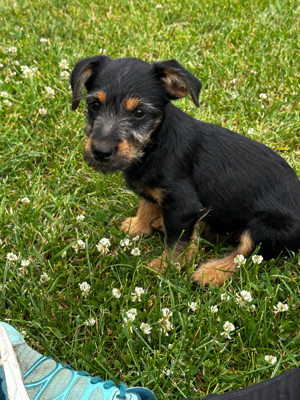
[(211, 273), (158, 225), (134, 227), (158, 265)]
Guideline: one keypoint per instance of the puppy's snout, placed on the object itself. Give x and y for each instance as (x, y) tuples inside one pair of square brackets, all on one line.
[(102, 154)]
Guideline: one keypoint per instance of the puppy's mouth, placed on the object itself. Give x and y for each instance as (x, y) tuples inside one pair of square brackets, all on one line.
[(104, 157)]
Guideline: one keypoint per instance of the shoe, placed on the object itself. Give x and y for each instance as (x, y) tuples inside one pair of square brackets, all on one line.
[(25, 374)]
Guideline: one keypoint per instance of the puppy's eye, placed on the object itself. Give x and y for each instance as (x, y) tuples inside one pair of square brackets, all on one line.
[(138, 113), (95, 105)]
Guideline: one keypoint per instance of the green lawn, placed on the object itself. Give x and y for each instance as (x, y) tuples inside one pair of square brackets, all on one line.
[(240, 50)]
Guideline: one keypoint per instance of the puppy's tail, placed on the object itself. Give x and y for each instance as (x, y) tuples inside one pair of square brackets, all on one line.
[(276, 232)]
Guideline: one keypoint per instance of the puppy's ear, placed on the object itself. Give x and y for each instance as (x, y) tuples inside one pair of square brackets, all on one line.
[(83, 72), (177, 81)]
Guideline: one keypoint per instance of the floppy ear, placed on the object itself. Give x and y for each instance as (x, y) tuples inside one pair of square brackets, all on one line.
[(84, 71), (177, 81)]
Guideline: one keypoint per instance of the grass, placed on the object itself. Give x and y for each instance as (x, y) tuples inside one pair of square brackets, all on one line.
[(239, 50)]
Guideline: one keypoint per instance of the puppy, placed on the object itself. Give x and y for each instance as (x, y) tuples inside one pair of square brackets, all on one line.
[(185, 170)]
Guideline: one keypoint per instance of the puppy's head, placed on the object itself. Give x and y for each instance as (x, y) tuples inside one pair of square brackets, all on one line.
[(126, 99)]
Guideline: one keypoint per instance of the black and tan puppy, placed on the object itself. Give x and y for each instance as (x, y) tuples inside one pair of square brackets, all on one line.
[(185, 170)]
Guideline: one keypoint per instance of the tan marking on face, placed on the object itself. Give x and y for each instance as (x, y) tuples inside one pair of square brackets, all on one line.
[(87, 146), (101, 96), (127, 149), (131, 103)]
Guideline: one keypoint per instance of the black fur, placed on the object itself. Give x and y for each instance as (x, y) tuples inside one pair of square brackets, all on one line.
[(204, 171)]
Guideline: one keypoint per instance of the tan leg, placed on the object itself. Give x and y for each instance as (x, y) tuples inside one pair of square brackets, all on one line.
[(147, 219), (215, 272), (158, 225), (175, 256)]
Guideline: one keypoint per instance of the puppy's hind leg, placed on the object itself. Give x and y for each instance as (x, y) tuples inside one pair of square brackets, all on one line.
[(148, 219), (215, 272)]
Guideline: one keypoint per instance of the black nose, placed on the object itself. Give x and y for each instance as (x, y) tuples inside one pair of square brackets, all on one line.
[(102, 153)]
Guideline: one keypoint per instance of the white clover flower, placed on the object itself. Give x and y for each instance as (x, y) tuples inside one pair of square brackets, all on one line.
[(116, 293), (3, 94), (7, 103), (243, 298), (240, 260), (177, 266), (165, 322), (145, 328), (64, 64), (85, 288), (42, 111), (35, 71), (11, 257), (136, 238), (257, 259), (125, 243), (79, 245), (80, 217), (193, 305), (228, 327), (25, 200), (271, 359), (136, 251), (251, 131), (12, 50), (1, 65), (166, 312), (44, 278), (253, 307), (225, 296), (90, 322), (214, 309), (103, 246), (64, 254), (44, 40), (27, 72), (280, 308), (49, 92), (166, 325), (130, 315), (263, 96), (137, 294), (25, 263), (65, 75)]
